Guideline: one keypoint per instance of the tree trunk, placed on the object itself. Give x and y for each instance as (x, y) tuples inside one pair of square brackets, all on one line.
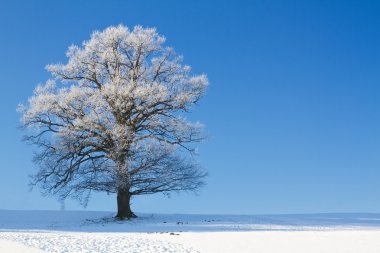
[(124, 205)]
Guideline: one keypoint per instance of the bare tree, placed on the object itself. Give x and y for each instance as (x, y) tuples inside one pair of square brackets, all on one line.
[(111, 120)]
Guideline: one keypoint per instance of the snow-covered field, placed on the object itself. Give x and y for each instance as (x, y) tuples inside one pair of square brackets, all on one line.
[(55, 231)]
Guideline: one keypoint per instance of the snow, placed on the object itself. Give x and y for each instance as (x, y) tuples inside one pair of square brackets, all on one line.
[(10, 246), (94, 242), (283, 241), (76, 231)]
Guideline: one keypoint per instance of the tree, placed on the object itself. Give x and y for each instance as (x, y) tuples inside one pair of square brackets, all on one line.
[(110, 120)]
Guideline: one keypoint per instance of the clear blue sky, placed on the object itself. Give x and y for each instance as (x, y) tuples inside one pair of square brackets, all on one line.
[(293, 109)]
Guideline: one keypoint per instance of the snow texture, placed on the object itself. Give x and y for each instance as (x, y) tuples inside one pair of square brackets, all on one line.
[(69, 231), (58, 242)]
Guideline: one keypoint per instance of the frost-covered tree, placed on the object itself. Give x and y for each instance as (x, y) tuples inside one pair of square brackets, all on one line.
[(110, 120)]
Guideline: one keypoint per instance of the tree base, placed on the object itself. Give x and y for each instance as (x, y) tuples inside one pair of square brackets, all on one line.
[(124, 216)]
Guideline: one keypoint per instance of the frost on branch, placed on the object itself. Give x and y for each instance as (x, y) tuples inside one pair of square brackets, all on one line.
[(110, 119)]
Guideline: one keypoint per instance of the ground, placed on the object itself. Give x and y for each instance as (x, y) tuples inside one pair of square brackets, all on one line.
[(64, 231)]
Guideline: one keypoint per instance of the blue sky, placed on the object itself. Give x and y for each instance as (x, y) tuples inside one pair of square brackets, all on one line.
[(292, 111)]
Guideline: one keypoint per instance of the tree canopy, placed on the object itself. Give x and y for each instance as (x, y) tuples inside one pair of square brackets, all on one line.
[(111, 119)]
